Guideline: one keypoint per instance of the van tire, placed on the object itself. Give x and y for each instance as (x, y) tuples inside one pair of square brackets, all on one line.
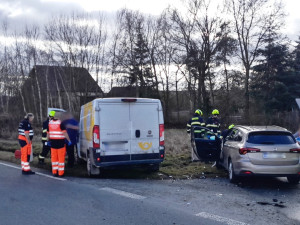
[(92, 171), (79, 161)]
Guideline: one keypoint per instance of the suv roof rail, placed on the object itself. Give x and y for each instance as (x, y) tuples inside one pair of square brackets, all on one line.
[(279, 127), (244, 127)]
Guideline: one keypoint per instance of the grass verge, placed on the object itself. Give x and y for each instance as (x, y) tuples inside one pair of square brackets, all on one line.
[(177, 163)]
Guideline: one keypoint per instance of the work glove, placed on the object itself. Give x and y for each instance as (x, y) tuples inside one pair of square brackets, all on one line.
[(69, 143), (48, 143)]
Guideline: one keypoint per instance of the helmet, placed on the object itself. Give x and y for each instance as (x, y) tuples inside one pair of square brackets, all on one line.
[(231, 126), (198, 111), (52, 113), (215, 112)]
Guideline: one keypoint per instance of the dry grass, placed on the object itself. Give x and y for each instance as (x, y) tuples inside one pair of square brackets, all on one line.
[(177, 141), (177, 163)]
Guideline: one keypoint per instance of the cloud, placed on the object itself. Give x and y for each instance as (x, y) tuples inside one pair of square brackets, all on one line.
[(19, 12)]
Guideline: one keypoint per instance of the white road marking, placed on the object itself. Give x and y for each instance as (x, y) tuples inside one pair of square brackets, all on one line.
[(38, 173), (123, 193), (220, 219)]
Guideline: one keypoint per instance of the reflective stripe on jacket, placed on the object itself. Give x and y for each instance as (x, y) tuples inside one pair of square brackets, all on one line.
[(55, 131), (25, 127), (214, 125), (195, 121)]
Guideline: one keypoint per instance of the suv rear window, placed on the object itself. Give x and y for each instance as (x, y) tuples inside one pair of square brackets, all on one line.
[(270, 138)]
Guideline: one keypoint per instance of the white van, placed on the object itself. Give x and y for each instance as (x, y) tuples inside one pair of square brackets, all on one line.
[(121, 131)]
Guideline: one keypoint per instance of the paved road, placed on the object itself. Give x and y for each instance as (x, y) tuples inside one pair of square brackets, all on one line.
[(39, 199)]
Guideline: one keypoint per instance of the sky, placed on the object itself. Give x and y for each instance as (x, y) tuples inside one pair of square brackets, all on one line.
[(19, 12)]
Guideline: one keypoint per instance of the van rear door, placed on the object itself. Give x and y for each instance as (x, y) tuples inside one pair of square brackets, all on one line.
[(115, 131), (145, 130)]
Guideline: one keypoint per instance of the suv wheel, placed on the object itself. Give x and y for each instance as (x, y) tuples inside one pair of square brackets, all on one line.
[(232, 177), (293, 179)]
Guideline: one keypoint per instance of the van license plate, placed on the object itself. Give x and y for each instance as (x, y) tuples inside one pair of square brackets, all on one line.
[(268, 155)]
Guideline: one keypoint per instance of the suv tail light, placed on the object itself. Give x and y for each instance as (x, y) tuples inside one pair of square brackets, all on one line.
[(161, 134), (295, 150), (244, 151), (96, 136)]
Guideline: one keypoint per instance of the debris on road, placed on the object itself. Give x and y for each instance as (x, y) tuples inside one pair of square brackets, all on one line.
[(272, 203)]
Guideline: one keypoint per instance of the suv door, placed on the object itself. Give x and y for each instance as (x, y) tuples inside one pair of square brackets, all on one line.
[(207, 145), (231, 146)]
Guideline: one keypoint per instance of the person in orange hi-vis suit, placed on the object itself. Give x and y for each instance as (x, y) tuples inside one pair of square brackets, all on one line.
[(56, 135), (25, 140)]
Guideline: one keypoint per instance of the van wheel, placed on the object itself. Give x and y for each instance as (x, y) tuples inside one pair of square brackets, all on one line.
[(92, 171), (231, 175), (293, 179), (79, 161)]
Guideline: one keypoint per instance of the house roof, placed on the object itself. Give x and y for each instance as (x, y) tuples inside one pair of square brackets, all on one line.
[(122, 92), (70, 79)]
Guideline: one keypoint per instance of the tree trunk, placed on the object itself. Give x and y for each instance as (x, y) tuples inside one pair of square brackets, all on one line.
[(211, 88), (177, 99), (247, 97), (58, 92), (167, 100), (40, 99), (34, 99), (23, 101), (227, 91)]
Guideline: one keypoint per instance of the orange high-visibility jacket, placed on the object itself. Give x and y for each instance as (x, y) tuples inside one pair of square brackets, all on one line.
[(55, 132)]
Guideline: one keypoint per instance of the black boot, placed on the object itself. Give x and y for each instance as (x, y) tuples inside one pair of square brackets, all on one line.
[(28, 172), (41, 161)]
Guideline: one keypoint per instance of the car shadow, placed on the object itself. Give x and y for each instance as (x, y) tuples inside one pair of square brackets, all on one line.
[(266, 183)]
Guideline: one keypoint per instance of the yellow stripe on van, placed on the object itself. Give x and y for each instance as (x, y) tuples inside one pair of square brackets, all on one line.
[(88, 121)]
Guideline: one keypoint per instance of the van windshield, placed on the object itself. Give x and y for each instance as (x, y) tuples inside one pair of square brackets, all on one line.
[(270, 138)]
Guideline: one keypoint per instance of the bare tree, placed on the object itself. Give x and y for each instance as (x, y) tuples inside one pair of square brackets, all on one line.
[(251, 21), (199, 34), (77, 40)]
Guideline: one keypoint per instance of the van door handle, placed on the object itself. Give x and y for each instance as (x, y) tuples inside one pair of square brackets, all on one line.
[(137, 133)]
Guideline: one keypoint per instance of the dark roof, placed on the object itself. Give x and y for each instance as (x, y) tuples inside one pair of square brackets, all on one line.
[(122, 92), (70, 79)]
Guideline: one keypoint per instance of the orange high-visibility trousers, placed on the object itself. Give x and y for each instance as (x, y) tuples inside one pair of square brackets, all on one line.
[(58, 160), (25, 154)]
